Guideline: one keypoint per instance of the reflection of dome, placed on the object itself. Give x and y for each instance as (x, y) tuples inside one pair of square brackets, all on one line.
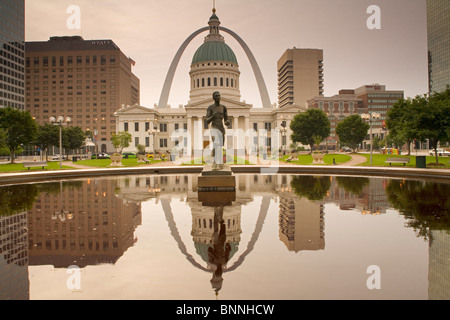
[(214, 51), (202, 249)]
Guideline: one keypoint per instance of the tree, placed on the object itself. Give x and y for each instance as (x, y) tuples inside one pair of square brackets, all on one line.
[(352, 130), (19, 127), (310, 126), (121, 140), (402, 122), (433, 118), (73, 138), (47, 135), (2, 138)]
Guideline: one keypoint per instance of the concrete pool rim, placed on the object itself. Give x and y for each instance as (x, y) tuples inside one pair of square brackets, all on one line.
[(380, 172)]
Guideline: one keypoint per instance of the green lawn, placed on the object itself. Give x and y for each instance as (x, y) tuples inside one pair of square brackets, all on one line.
[(306, 159), (379, 160), (106, 163), (15, 167)]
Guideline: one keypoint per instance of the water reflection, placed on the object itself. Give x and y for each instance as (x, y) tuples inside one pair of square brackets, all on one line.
[(93, 222)]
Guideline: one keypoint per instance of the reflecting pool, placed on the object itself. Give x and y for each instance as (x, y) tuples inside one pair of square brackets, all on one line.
[(278, 237)]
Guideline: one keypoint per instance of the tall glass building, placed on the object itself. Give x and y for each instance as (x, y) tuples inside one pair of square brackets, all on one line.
[(12, 53), (438, 17)]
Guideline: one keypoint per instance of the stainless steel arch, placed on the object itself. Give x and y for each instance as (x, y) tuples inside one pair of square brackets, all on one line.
[(164, 98)]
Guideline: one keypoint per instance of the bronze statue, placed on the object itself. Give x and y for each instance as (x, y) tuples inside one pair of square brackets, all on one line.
[(217, 115)]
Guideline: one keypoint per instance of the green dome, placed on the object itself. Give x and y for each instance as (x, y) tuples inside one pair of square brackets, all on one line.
[(214, 51)]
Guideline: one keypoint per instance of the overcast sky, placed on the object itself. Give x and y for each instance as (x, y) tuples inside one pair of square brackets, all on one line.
[(151, 31)]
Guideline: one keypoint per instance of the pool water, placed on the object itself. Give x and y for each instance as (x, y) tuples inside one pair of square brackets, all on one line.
[(278, 237)]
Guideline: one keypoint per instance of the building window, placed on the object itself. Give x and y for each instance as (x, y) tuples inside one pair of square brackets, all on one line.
[(136, 141), (268, 126), (147, 142), (136, 126), (147, 126), (163, 127), (163, 143), (255, 126), (125, 126)]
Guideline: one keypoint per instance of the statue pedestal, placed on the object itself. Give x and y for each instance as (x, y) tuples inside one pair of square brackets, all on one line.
[(216, 179)]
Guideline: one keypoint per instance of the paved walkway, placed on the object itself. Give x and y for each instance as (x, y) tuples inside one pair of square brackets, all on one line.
[(356, 160)]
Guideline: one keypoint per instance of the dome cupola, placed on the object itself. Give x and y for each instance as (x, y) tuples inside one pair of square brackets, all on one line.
[(214, 66)]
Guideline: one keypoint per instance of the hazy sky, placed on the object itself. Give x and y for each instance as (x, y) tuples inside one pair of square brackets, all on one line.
[(151, 31)]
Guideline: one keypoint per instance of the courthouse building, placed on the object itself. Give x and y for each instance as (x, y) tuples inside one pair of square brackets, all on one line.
[(214, 67)]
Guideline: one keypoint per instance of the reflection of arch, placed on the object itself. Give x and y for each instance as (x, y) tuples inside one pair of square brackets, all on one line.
[(164, 99), (251, 244)]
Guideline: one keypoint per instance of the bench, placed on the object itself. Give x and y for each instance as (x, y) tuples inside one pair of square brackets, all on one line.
[(292, 157), (397, 160), (34, 164)]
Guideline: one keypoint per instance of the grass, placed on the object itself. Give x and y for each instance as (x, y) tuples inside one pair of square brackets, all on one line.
[(17, 167), (306, 159), (54, 165), (379, 160), (106, 163)]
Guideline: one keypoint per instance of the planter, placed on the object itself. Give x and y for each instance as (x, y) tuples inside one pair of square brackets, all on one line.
[(142, 158), (318, 157), (116, 160)]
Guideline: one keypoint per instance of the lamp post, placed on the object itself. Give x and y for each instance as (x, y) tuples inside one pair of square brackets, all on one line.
[(283, 131), (372, 116), (60, 122), (153, 132)]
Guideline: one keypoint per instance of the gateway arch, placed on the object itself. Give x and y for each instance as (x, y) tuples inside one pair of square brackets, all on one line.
[(163, 101)]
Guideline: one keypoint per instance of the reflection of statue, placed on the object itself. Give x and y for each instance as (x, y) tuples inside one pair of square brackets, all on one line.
[(219, 253), (216, 115)]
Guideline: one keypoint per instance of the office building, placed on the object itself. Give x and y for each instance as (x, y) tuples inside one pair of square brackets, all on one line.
[(87, 80), (438, 27), (12, 53), (300, 76), (365, 99)]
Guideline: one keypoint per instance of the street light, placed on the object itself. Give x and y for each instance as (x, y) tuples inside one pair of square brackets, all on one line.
[(153, 132), (283, 131), (371, 117), (61, 121)]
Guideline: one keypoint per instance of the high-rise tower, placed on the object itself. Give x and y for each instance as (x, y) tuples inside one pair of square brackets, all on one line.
[(300, 76), (438, 24), (12, 54), (87, 80)]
